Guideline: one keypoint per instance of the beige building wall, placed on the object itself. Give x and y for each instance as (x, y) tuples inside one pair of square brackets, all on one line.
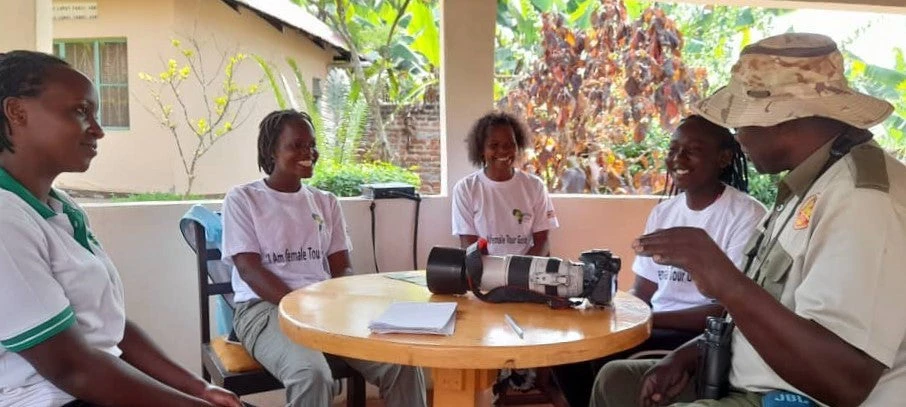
[(138, 158), (32, 21), (144, 158)]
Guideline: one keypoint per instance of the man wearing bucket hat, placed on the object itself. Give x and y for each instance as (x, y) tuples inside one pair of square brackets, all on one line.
[(818, 311)]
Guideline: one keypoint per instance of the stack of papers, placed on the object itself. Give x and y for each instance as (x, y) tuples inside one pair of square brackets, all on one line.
[(436, 318)]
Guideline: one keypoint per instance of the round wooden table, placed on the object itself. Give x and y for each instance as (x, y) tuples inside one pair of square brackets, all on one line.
[(332, 316)]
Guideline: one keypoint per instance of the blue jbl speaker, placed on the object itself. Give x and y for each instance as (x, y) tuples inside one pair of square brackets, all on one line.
[(780, 398)]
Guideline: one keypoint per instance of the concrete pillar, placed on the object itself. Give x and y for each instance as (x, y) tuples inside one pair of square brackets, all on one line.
[(466, 78), (28, 24)]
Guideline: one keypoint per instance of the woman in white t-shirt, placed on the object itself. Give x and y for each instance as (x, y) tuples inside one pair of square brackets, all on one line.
[(709, 171), (500, 203), (509, 208), (281, 235), (65, 339)]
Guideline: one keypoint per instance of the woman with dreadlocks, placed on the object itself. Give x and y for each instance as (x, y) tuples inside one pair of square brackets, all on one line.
[(281, 235), (709, 184)]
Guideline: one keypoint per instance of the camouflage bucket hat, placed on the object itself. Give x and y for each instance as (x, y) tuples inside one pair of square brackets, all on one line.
[(787, 77)]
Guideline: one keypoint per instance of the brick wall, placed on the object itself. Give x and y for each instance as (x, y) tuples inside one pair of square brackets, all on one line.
[(414, 136)]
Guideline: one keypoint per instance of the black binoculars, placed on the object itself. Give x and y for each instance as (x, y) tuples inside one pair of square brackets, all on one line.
[(713, 379)]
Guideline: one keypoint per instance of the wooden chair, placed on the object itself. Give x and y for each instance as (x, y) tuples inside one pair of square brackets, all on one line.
[(214, 279)]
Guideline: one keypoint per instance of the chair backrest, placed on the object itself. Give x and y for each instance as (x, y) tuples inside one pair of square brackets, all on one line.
[(213, 274)]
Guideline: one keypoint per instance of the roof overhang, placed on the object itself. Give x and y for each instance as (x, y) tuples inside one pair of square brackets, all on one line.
[(282, 14)]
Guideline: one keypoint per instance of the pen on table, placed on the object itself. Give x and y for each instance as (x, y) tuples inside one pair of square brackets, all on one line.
[(514, 325)]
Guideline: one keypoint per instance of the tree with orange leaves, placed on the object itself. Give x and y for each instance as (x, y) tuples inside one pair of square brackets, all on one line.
[(594, 90)]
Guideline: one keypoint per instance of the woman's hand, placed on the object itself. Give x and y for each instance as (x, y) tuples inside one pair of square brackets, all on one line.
[(219, 396)]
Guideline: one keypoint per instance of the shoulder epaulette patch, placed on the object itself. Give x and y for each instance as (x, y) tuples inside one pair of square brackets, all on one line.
[(871, 167), (804, 215)]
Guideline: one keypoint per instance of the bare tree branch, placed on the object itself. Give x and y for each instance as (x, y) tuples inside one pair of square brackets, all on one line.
[(211, 126)]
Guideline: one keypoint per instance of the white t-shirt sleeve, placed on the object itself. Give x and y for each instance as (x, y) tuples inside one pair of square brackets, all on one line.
[(739, 238), (339, 238), (463, 218), (35, 305), (854, 286), (238, 227), (544, 216), (644, 266)]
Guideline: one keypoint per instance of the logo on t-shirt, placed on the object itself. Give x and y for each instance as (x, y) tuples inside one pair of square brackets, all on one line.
[(318, 220), (521, 216)]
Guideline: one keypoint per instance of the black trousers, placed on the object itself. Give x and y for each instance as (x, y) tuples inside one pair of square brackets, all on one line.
[(577, 379)]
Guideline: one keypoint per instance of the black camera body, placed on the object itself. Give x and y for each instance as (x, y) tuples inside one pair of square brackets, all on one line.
[(515, 278), (713, 380), (600, 270)]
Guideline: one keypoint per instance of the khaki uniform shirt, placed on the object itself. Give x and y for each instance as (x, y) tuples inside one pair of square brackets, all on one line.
[(840, 260)]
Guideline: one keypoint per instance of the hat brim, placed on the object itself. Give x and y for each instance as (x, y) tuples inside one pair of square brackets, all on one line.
[(732, 110)]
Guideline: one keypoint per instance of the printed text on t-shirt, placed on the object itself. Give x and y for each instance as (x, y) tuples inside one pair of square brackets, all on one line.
[(507, 239), (303, 254), (673, 274)]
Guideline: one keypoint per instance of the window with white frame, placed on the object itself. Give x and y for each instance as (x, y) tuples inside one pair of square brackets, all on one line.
[(104, 61)]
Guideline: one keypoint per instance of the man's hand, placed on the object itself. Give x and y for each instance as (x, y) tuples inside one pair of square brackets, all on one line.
[(219, 396), (692, 250), (667, 379)]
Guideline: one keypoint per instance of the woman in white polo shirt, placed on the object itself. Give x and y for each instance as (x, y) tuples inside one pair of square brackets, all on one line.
[(64, 336)]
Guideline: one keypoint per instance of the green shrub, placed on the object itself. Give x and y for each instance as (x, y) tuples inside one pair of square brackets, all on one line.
[(345, 179), (763, 186)]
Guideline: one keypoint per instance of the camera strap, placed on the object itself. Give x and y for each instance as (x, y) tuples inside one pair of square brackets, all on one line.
[(509, 293), (506, 293)]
